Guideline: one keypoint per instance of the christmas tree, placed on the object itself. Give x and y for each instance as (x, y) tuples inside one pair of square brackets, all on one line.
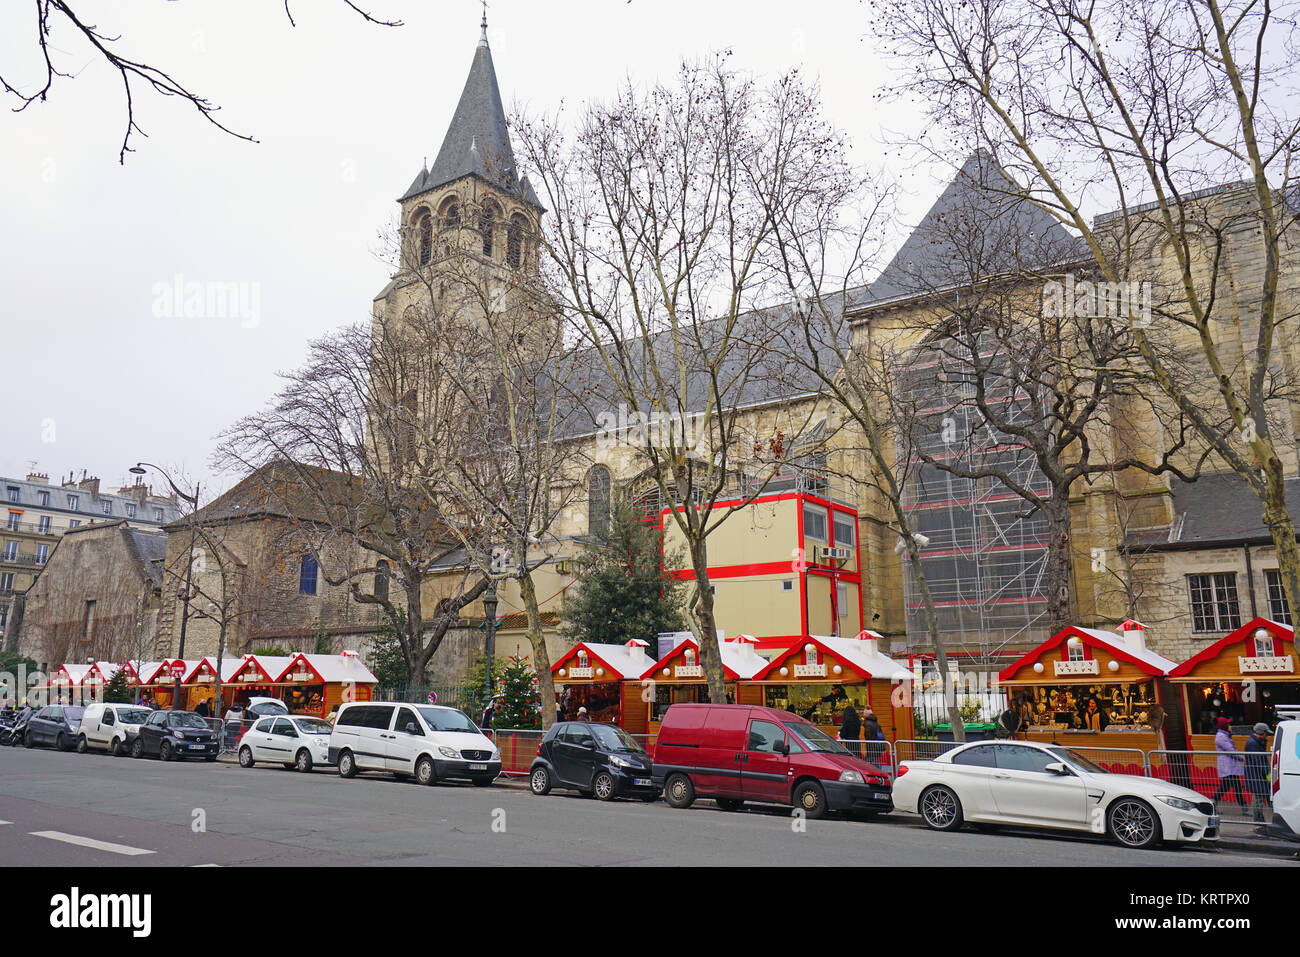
[(118, 689), (519, 705)]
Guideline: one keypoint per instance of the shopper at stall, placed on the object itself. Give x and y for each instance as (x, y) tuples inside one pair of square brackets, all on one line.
[(851, 730), (1257, 761), (582, 715), (871, 731), (1229, 764)]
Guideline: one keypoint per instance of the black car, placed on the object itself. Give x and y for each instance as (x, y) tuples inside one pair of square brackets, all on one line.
[(176, 734), (599, 759), (56, 725)]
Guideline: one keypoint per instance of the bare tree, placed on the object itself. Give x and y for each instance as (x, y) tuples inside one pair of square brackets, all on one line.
[(57, 22), (662, 241), (355, 448), (1150, 109)]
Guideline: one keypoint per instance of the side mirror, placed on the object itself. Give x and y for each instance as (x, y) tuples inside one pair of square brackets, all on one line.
[(781, 747), (411, 728), (1056, 767)]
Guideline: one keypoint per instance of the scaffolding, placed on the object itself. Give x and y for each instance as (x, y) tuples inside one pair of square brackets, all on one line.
[(986, 554)]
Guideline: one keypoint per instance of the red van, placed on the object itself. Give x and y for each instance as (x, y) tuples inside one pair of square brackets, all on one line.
[(735, 753)]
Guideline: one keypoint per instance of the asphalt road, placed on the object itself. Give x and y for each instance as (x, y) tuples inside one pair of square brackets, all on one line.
[(70, 809)]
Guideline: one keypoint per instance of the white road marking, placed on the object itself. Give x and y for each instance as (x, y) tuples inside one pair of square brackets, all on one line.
[(6, 822), (91, 843)]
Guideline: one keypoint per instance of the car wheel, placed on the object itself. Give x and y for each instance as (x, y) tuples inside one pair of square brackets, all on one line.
[(115, 749), (61, 742), (303, 760), (603, 786), (811, 799), (679, 792), (27, 741), (81, 744), (729, 804), (424, 772), (941, 809), (246, 757), (165, 751), (1133, 823), (539, 782), (347, 765), (137, 749)]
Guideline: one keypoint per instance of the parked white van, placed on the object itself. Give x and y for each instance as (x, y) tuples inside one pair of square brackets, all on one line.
[(110, 727), (1285, 774), (429, 742)]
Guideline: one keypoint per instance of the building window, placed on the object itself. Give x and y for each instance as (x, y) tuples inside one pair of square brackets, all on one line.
[(844, 529), (74, 503), (515, 241), (157, 515), (424, 236), (598, 486), (487, 224), (7, 582), (88, 620), (1261, 645), (130, 509), (787, 585), (1214, 602), (381, 579), (43, 525), (106, 507), (13, 520), (42, 554), (307, 576), (74, 523), (842, 616), (814, 522), (13, 494), (1278, 608), (11, 551), (1075, 651), (43, 499), (4, 615)]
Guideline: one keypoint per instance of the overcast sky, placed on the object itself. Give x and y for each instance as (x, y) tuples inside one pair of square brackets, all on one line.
[(345, 112)]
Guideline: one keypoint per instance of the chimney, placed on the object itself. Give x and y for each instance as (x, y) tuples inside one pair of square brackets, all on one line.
[(1134, 633), (38, 478), (90, 485)]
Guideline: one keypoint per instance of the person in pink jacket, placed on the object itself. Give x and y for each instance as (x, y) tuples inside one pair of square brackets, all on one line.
[(1231, 767)]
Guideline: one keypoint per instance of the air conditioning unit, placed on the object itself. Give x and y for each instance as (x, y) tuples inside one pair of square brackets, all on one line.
[(833, 553)]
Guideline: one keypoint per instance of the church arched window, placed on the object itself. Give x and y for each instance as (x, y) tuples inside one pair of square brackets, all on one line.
[(424, 235), (598, 487), (515, 240), (487, 224), (449, 215)]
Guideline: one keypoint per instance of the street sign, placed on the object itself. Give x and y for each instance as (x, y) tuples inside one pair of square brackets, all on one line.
[(433, 697), (178, 669)]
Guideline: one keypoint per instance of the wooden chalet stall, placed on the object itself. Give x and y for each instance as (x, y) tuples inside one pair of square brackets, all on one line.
[(65, 684), (318, 684), (606, 680), (818, 677), (679, 677), (158, 680), (253, 676), (1052, 687), (1244, 677)]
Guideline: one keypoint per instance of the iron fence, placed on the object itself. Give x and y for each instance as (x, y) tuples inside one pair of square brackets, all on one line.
[(877, 752), (1237, 783)]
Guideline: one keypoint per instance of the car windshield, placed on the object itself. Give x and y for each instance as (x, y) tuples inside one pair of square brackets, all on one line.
[(815, 739), (133, 715), (186, 719), (73, 714), (445, 719), (312, 726), (1077, 760), (614, 739)]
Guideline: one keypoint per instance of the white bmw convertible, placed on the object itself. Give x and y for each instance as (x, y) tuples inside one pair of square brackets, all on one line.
[(1039, 785)]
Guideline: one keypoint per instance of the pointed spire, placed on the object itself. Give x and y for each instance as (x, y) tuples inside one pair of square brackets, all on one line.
[(483, 39)]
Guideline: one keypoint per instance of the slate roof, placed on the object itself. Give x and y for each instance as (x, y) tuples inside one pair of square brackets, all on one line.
[(478, 140), (1218, 509), (152, 548), (974, 227)]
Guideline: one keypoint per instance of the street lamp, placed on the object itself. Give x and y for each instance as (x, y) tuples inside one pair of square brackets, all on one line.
[(490, 621), (185, 594)]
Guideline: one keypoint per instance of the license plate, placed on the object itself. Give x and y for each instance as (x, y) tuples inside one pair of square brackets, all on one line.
[(1214, 821), (197, 747), (478, 767), (643, 782), (879, 796)]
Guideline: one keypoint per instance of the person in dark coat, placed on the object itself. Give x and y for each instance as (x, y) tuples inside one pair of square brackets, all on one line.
[(872, 731), (1257, 766), (851, 730)]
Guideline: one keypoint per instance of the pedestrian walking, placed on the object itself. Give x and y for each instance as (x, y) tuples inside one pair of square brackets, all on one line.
[(582, 715), (871, 733), (1229, 764), (851, 730), (1257, 762), (202, 710)]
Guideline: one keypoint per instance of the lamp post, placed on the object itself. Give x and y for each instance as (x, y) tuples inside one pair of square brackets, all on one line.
[(490, 622), (185, 595)]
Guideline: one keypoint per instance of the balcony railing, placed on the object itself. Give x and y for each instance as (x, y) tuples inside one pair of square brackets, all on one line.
[(31, 528)]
